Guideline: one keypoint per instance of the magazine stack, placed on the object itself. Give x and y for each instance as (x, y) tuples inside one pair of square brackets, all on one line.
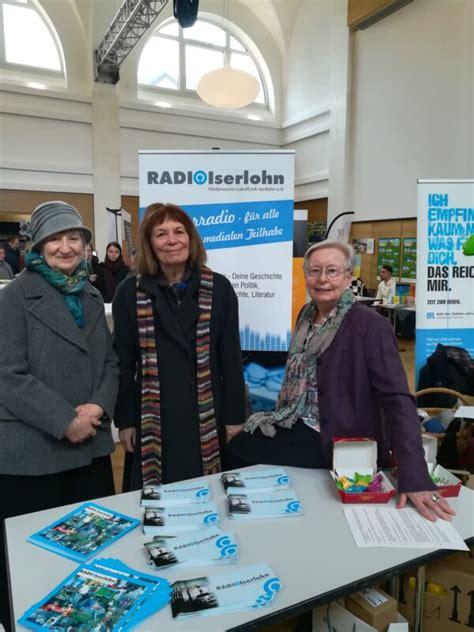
[(244, 589), (84, 532), (104, 594), (260, 494), (208, 546)]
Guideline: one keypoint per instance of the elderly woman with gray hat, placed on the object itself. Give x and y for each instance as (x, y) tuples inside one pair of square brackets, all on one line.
[(58, 377)]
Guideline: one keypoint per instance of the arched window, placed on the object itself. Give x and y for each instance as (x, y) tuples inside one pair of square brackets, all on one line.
[(174, 59), (28, 41)]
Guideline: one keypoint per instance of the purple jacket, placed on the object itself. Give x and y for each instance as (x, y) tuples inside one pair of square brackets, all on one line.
[(363, 392)]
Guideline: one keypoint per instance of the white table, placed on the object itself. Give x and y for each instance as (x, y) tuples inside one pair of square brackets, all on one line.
[(314, 555), (393, 311)]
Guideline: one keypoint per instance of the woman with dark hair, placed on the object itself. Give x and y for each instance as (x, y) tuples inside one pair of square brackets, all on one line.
[(181, 393), (111, 271)]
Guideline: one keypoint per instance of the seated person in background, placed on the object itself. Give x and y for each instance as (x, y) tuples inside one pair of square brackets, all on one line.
[(6, 272), (343, 378), (357, 286), (387, 286)]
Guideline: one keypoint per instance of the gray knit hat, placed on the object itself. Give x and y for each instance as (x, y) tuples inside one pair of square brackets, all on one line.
[(50, 218)]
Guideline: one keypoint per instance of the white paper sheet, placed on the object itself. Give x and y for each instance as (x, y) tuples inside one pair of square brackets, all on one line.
[(400, 528)]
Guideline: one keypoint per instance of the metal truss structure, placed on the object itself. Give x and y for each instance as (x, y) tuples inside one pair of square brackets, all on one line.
[(132, 20)]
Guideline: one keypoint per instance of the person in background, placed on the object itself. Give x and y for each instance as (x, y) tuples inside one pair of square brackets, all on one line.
[(343, 378), (111, 271), (387, 286), (133, 270), (58, 378), (357, 286), (12, 253), (6, 272), (92, 261), (176, 334)]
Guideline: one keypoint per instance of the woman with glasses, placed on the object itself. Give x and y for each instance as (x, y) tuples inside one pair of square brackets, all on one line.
[(343, 378)]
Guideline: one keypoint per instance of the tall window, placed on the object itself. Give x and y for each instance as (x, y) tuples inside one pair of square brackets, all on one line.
[(28, 39), (175, 59)]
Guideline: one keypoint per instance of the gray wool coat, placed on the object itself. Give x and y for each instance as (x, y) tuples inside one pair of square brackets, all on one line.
[(48, 366)]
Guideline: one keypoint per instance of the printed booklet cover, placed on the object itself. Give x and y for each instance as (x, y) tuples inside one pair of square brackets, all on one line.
[(174, 494), (243, 589), (102, 595), (271, 479), (264, 505), (208, 546), (84, 532), (174, 520)]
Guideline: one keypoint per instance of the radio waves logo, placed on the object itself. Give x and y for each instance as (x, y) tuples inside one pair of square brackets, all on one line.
[(200, 177)]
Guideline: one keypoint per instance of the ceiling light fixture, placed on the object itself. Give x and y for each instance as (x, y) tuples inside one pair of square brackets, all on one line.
[(228, 88)]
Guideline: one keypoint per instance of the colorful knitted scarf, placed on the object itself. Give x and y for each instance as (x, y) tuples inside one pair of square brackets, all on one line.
[(307, 345), (69, 286), (150, 390)]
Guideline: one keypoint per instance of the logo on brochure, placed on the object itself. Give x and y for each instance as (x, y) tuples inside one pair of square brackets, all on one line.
[(293, 506), (270, 587), (281, 480), (228, 548), (203, 492), (213, 517)]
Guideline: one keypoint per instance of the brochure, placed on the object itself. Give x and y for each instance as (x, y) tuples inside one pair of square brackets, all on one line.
[(174, 520), (282, 504), (103, 595), (174, 494), (84, 532), (271, 479), (243, 589), (208, 546)]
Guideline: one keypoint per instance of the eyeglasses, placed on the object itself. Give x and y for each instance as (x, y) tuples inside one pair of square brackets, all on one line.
[(331, 273)]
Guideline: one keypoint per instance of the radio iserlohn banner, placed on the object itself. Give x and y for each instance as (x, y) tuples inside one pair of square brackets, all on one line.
[(242, 206)]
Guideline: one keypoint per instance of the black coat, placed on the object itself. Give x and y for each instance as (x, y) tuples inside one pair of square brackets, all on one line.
[(108, 279), (12, 257), (175, 329)]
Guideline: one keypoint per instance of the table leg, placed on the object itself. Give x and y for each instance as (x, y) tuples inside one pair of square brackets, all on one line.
[(419, 599)]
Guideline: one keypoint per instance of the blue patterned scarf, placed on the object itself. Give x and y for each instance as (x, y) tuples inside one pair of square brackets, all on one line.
[(69, 286)]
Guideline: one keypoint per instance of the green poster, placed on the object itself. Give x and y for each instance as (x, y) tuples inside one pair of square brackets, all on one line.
[(389, 254), (408, 272)]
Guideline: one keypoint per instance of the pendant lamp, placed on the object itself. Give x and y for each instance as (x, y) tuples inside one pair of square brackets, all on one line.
[(228, 88)]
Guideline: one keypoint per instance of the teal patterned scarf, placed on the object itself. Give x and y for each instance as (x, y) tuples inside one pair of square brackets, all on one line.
[(298, 397), (69, 286)]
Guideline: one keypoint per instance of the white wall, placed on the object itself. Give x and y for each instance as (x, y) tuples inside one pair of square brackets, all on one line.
[(315, 109), (412, 106)]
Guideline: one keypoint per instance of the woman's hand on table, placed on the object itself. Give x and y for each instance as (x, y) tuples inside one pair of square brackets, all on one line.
[(431, 505), (127, 438)]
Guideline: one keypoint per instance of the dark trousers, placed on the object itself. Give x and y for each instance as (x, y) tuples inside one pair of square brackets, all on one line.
[(26, 494), (299, 446)]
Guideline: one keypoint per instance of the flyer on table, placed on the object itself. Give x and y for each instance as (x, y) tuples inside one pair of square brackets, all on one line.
[(445, 267), (242, 206)]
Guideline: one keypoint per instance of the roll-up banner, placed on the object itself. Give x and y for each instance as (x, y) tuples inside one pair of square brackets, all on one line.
[(445, 267), (242, 205)]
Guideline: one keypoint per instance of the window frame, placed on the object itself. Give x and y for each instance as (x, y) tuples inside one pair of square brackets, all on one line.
[(35, 73)]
